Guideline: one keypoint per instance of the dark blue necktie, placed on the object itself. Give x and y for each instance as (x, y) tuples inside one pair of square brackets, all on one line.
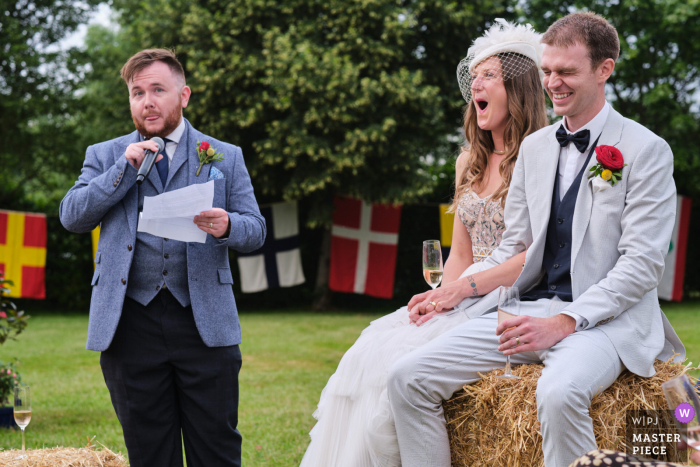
[(580, 139), (163, 165)]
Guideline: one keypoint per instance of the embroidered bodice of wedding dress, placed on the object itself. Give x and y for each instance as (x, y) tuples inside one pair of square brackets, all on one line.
[(355, 426)]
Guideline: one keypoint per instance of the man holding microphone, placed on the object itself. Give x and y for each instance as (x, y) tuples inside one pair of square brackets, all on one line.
[(162, 311)]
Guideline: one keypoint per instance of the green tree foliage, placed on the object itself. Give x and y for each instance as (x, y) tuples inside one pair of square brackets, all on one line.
[(35, 91), (325, 98)]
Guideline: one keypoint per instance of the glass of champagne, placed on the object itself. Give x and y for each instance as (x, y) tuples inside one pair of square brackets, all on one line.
[(23, 411), (432, 262), (508, 307), (680, 390)]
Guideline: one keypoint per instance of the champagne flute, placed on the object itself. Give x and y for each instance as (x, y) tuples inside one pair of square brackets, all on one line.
[(680, 390), (23, 411), (432, 262), (508, 307)]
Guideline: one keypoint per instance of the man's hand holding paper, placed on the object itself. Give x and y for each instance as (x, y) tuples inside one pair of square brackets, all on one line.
[(172, 214)]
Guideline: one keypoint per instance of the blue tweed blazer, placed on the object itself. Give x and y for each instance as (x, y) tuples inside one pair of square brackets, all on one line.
[(106, 194)]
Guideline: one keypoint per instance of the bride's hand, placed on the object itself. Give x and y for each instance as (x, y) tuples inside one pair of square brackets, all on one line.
[(426, 305)]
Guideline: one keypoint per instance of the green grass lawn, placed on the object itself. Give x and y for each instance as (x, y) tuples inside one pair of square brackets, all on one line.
[(287, 360)]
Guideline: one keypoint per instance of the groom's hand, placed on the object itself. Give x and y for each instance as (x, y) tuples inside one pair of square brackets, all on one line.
[(533, 333)]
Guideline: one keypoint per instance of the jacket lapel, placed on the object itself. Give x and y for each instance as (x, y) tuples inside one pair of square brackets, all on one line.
[(131, 199), (546, 169), (154, 178), (611, 135), (181, 153), (193, 157)]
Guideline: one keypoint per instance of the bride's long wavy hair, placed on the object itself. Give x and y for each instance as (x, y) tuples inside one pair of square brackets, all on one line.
[(526, 107)]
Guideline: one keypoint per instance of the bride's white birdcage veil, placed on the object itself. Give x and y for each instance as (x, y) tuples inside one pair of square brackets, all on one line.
[(517, 46)]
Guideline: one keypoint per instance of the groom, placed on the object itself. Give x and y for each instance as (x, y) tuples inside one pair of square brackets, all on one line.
[(595, 255), (162, 311)]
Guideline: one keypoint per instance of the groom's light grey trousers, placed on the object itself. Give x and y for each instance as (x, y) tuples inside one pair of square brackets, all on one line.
[(581, 365)]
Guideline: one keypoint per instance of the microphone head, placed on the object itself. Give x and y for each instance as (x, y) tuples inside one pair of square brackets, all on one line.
[(160, 143)]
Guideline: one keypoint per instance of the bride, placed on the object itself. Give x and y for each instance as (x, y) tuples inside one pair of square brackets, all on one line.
[(501, 83)]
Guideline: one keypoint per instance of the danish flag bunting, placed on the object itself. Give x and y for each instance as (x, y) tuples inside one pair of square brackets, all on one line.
[(364, 243)]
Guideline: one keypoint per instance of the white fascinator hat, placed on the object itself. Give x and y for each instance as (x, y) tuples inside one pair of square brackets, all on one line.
[(517, 46)]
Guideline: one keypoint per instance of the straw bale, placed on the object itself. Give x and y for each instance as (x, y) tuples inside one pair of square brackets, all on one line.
[(63, 457), (493, 422)]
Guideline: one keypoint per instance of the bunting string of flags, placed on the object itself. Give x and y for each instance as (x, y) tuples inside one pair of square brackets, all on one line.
[(23, 253), (364, 246)]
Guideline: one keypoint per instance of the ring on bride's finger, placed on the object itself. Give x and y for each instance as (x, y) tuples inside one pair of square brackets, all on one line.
[(211, 225), (434, 304), (517, 340)]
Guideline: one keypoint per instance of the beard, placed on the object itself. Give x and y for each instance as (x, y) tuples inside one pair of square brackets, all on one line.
[(172, 120)]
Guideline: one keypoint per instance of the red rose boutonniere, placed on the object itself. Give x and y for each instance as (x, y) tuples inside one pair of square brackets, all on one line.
[(608, 170), (207, 154)]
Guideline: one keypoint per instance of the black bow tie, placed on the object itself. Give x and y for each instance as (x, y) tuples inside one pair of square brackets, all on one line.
[(580, 139)]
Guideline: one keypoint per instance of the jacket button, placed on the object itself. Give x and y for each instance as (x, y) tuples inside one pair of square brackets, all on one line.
[(166, 256), (123, 281), (553, 287), (560, 220), (157, 287), (129, 247), (165, 273), (562, 244), (114, 184), (556, 266)]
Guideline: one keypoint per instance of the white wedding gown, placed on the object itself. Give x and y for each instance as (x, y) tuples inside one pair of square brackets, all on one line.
[(355, 425)]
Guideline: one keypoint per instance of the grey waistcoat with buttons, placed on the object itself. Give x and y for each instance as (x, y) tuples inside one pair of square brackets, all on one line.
[(159, 261)]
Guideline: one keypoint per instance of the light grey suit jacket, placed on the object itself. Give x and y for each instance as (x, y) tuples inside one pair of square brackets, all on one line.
[(106, 194), (620, 238)]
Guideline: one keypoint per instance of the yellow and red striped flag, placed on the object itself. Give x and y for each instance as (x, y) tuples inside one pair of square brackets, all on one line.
[(23, 253)]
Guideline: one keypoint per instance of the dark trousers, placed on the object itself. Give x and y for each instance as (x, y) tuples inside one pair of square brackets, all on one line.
[(166, 385)]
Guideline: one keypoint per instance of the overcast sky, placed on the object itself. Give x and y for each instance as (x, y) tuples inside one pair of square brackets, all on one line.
[(101, 16)]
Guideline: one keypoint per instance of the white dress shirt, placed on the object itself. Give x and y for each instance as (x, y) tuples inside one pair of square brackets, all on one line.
[(571, 161), (174, 137)]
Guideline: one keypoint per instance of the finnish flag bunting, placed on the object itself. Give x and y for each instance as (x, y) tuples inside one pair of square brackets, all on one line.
[(278, 262)]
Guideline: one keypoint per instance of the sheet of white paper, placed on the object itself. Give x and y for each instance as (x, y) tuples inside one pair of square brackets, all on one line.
[(170, 214), (175, 228), (185, 202)]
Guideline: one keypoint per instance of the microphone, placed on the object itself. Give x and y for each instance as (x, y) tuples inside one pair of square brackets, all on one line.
[(149, 160)]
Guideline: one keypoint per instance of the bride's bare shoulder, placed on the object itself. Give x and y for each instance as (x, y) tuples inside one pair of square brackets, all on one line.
[(461, 164)]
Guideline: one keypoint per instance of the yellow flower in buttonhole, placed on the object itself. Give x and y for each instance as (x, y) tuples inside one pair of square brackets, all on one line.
[(606, 174), (210, 152)]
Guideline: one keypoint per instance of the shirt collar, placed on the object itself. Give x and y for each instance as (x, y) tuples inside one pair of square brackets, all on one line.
[(595, 126)]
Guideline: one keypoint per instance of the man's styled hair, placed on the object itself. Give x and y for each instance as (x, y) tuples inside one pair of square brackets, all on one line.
[(585, 28), (146, 57)]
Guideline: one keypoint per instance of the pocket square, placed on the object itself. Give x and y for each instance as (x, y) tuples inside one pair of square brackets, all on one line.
[(215, 174), (600, 185)]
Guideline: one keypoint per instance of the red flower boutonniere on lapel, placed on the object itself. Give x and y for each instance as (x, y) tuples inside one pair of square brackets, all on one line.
[(608, 171), (207, 155)]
